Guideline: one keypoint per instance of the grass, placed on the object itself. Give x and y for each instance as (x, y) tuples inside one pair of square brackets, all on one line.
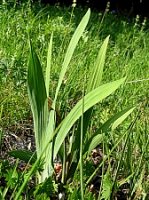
[(127, 55)]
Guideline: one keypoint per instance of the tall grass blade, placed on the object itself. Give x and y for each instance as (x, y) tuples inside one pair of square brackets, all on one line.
[(119, 163)]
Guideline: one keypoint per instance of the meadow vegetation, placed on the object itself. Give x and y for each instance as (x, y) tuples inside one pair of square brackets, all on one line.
[(117, 167)]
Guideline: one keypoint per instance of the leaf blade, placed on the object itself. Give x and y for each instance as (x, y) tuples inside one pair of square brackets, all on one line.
[(48, 68), (93, 142), (37, 97), (96, 75), (70, 50), (89, 100)]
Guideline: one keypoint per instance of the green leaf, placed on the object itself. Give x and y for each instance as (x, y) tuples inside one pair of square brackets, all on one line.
[(27, 156), (95, 142), (107, 187), (70, 50), (109, 122), (38, 99), (48, 167), (89, 100), (43, 188), (69, 53), (97, 71), (121, 118), (48, 68), (11, 178), (38, 89), (39, 105), (94, 82), (92, 142)]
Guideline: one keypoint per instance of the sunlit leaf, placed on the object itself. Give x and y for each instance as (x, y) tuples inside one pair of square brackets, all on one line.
[(48, 68), (97, 70), (121, 119), (90, 100), (71, 47)]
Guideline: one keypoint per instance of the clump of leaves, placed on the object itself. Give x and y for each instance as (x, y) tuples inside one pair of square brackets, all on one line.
[(50, 138)]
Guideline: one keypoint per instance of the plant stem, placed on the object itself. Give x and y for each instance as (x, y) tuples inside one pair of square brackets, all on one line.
[(64, 163), (81, 151)]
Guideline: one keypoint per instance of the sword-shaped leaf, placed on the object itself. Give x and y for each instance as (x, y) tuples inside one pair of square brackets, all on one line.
[(38, 99), (89, 100), (70, 50)]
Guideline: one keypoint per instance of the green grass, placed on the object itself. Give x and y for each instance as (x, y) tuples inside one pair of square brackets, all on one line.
[(127, 55)]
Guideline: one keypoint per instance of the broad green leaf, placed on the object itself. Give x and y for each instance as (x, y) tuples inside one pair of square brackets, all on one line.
[(70, 50), (94, 82), (48, 68), (89, 100), (27, 156), (38, 99), (39, 104)]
